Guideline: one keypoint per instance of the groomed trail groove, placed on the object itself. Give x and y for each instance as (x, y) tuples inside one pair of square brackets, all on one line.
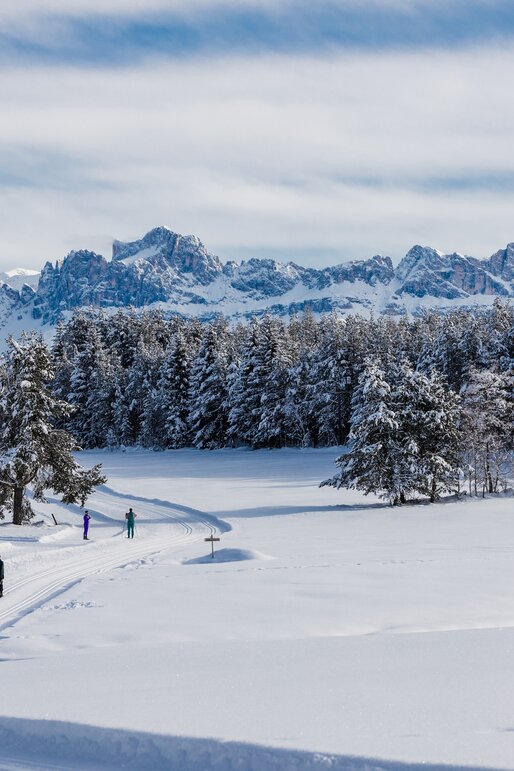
[(188, 526)]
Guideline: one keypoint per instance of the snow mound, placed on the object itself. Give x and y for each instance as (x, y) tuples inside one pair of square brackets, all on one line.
[(59, 533), (228, 555)]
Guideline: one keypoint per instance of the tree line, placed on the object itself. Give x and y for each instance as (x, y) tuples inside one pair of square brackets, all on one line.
[(424, 405)]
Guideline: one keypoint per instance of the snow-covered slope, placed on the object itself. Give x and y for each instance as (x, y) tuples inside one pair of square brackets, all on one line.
[(344, 634), (19, 277), (178, 274)]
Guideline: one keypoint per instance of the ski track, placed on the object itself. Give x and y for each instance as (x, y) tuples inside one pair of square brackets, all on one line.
[(39, 586)]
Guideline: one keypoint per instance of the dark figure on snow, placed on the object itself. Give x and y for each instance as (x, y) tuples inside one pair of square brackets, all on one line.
[(1, 577), (130, 517), (86, 524)]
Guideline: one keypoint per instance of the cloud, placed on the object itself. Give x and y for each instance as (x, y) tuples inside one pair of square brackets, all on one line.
[(328, 158), (24, 8)]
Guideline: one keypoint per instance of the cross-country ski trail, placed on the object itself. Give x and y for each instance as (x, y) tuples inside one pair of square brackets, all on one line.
[(53, 567)]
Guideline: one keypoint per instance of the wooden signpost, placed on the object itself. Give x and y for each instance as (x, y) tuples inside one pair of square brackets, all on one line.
[(211, 538)]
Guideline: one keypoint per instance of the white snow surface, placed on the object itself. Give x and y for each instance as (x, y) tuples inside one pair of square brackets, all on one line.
[(142, 254), (20, 276), (329, 631)]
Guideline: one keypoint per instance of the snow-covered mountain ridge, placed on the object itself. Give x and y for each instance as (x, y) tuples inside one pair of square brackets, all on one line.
[(177, 273)]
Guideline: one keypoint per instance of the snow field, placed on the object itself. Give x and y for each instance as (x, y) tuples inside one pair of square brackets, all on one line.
[(337, 628), (29, 586)]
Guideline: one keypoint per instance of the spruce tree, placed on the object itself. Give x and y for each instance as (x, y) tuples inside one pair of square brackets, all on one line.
[(208, 417), (371, 463), (333, 377), (270, 377), (487, 427), (91, 392), (172, 398), (300, 404), (32, 451), (428, 415), (243, 397)]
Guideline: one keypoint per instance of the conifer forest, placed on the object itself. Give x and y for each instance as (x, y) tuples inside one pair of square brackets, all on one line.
[(420, 406)]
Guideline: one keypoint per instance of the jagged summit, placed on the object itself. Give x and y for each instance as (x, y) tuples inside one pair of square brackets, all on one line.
[(427, 272), (501, 263), (161, 246), (178, 274)]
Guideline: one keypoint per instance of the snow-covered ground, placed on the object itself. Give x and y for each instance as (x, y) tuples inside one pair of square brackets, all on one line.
[(329, 632)]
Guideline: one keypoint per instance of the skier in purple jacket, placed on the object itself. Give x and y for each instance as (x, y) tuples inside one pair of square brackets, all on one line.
[(86, 524)]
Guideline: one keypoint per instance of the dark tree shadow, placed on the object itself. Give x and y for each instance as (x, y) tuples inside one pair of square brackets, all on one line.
[(49, 745)]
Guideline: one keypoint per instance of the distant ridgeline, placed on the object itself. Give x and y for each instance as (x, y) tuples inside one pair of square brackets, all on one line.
[(179, 275), (438, 389)]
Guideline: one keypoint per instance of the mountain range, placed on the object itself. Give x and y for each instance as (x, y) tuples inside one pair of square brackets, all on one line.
[(178, 274)]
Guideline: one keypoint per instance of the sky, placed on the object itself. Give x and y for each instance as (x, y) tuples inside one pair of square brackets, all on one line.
[(313, 131)]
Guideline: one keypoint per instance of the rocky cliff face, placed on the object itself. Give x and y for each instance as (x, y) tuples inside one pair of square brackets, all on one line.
[(179, 274), (425, 271), (165, 267), (501, 264)]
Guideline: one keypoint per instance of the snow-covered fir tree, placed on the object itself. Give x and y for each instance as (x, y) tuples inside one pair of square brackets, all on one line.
[(32, 451), (300, 403), (141, 391), (270, 379), (243, 398), (371, 462), (332, 376), (487, 428), (428, 415), (208, 415), (404, 435), (172, 399), (91, 391)]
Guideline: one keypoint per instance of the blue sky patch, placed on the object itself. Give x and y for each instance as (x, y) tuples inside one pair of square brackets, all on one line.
[(300, 27)]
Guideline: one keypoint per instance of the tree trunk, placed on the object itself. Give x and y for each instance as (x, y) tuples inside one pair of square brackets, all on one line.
[(433, 490), (488, 475), (17, 512), (339, 418)]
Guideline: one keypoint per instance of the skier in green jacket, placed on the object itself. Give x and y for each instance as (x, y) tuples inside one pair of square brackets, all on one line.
[(130, 517)]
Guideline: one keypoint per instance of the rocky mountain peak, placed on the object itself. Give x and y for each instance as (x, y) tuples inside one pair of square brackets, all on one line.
[(501, 263), (161, 246), (178, 274), (424, 271), (160, 239), (423, 258)]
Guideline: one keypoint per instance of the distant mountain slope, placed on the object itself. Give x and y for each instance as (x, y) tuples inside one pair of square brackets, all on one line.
[(178, 274), (18, 277)]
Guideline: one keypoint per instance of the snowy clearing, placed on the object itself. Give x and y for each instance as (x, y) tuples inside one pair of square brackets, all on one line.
[(329, 631)]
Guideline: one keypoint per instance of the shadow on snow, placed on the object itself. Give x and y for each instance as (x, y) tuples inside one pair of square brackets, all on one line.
[(55, 745)]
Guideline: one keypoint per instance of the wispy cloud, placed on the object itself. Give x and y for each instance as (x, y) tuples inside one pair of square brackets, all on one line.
[(329, 157)]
